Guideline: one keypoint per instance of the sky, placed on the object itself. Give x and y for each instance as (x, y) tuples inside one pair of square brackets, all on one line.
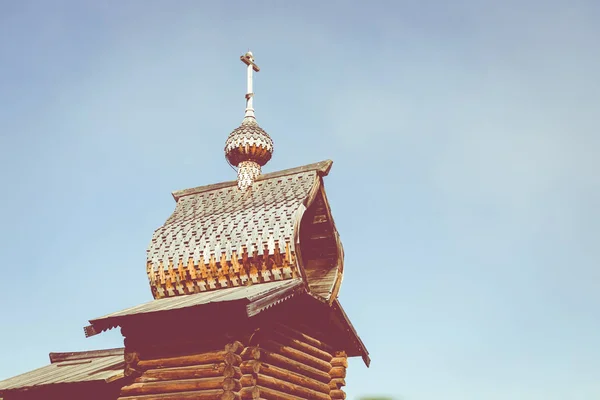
[(465, 184)]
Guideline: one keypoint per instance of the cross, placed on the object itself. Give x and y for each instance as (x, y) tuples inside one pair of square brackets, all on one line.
[(248, 59)]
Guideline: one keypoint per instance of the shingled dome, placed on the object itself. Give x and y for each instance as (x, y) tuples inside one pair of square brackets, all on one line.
[(220, 237), (248, 142)]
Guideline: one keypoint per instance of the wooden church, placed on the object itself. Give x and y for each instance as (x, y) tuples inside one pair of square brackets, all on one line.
[(245, 277)]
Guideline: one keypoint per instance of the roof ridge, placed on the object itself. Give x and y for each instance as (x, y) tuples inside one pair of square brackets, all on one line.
[(82, 355), (322, 167)]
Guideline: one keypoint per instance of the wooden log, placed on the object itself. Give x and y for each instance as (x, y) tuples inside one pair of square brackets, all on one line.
[(302, 346), (337, 383), (255, 367), (339, 362), (250, 367), (131, 357), (289, 388), (232, 371), (182, 385), (337, 394), (229, 395), (338, 372), (231, 384), (232, 358), (196, 395), (252, 392), (272, 394), (297, 355), (180, 361), (254, 353), (248, 380), (235, 347), (131, 372), (304, 337), (174, 373)]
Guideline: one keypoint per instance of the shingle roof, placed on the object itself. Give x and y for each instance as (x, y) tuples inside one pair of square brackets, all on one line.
[(87, 366), (207, 241)]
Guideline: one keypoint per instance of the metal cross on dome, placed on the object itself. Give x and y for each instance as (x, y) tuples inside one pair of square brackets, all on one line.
[(248, 59)]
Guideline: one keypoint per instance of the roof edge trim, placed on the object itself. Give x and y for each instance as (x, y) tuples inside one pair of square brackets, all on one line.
[(322, 167), (85, 355)]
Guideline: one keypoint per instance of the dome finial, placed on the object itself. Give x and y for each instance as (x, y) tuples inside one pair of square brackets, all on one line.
[(248, 147)]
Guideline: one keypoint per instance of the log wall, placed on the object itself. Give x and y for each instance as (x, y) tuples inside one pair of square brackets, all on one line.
[(283, 363), (272, 362)]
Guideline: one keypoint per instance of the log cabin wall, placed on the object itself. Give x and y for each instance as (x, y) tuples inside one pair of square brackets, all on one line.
[(284, 363), (268, 360), (181, 365)]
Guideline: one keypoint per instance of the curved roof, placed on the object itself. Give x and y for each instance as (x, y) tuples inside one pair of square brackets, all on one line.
[(220, 237)]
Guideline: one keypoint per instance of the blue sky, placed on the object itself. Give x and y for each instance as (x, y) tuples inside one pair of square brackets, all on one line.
[(465, 182)]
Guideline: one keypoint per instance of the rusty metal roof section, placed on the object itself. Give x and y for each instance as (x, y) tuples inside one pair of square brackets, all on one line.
[(77, 367), (220, 237), (254, 299)]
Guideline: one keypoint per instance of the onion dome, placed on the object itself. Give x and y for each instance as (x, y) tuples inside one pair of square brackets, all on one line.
[(248, 142)]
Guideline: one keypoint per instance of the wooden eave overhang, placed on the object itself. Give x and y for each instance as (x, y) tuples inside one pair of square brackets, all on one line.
[(247, 307), (243, 301), (85, 369)]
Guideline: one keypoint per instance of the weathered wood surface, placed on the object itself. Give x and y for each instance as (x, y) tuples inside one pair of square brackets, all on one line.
[(189, 372), (337, 383), (213, 374), (196, 395), (296, 355), (338, 372), (194, 359), (181, 385), (251, 392), (299, 344), (278, 362), (272, 394), (264, 381), (255, 367), (339, 362), (255, 353), (337, 394), (304, 337)]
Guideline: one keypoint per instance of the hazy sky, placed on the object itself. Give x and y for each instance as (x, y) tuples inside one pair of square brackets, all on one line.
[(465, 185)]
